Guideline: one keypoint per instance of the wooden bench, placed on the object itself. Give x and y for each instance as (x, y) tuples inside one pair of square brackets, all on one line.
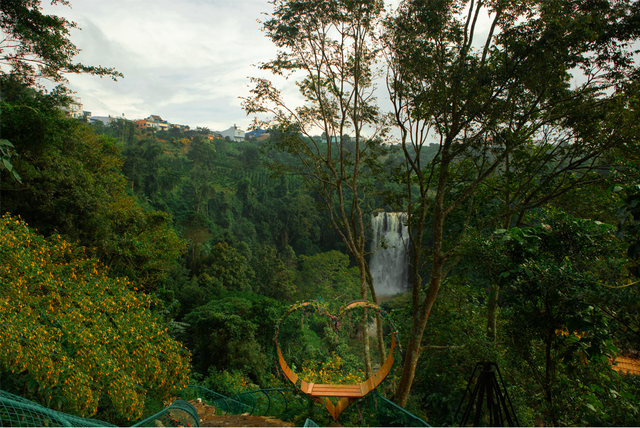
[(349, 393), (323, 390)]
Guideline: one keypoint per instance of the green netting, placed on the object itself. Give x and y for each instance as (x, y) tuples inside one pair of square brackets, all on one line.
[(389, 414), (18, 411), (374, 410), (263, 402), (222, 404), (286, 404), (271, 402), (309, 423), (179, 414)]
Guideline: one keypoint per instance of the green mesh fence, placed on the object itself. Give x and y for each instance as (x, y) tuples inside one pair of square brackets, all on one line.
[(264, 402), (309, 423), (271, 402), (16, 411), (285, 403), (389, 414), (222, 404), (372, 410), (179, 414)]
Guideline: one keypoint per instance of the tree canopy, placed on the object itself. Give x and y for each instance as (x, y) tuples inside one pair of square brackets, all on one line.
[(333, 45), (37, 46), (513, 130), (72, 185)]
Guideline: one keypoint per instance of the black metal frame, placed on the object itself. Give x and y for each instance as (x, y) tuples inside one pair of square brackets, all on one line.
[(498, 402)]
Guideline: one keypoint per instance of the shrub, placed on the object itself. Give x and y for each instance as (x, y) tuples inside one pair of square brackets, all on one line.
[(67, 326)]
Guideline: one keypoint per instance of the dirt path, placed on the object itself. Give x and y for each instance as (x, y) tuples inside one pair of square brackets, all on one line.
[(209, 419)]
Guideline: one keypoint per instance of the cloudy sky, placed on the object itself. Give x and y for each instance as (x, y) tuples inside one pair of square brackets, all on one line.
[(187, 61)]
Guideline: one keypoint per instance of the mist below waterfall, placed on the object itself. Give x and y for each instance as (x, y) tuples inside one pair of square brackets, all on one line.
[(389, 266)]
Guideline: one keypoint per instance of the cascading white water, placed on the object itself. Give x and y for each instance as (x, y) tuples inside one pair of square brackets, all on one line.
[(389, 266)]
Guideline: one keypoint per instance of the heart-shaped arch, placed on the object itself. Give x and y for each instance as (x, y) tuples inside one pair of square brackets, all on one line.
[(348, 393)]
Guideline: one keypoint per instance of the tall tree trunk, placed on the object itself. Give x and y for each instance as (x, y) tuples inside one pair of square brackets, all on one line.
[(492, 312), (363, 325), (415, 340), (421, 312)]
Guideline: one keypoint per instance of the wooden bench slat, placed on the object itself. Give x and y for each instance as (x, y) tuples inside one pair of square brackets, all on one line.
[(356, 394), (322, 390), (335, 388)]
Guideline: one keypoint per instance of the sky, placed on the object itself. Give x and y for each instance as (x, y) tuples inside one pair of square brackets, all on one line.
[(188, 61)]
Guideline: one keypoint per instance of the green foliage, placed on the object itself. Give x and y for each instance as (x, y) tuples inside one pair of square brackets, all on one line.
[(454, 341), (334, 371), (140, 245), (332, 45), (561, 319), (513, 127), (202, 153), (225, 265), (6, 151), (233, 333), (557, 276), (629, 225), (228, 382), (71, 185), (331, 340), (87, 338), (327, 276), (272, 277), (232, 201), (141, 164)]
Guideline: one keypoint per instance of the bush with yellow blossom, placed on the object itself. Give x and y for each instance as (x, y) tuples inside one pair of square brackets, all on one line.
[(70, 327), (334, 371)]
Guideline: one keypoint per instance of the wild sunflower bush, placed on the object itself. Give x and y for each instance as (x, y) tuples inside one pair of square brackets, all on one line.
[(72, 328), (333, 371)]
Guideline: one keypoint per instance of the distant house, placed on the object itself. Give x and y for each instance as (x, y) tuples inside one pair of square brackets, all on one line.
[(180, 127), (75, 108), (146, 123), (154, 122), (106, 120), (141, 124), (234, 133), (256, 133)]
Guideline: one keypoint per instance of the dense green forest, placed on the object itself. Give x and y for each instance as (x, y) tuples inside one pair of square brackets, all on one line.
[(134, 262)]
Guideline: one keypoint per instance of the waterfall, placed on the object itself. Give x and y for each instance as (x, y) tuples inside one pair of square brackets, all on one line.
[(389, 266)]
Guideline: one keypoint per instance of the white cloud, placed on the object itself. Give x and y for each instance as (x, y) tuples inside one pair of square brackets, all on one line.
[(187, 61)]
